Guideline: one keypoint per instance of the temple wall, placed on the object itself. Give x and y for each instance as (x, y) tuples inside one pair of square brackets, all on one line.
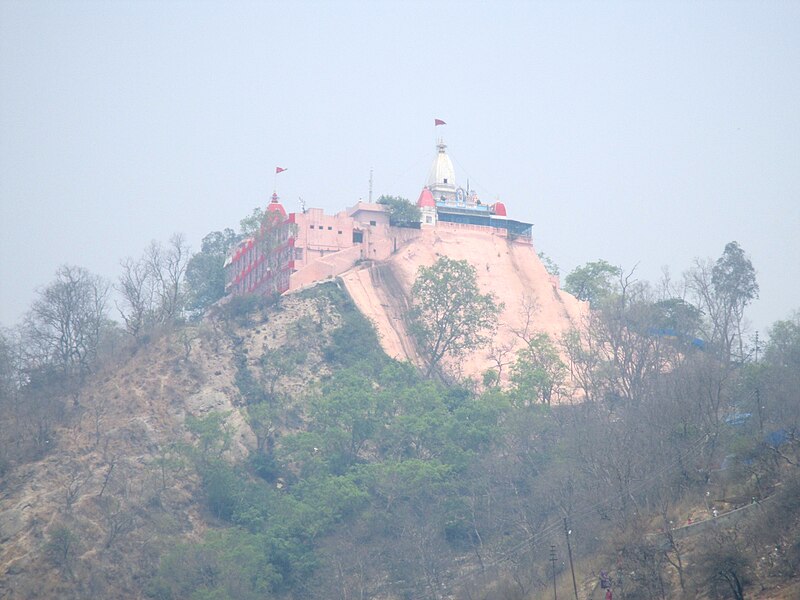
[(380, 242), (498, 231), (330, 265), (319, 234)]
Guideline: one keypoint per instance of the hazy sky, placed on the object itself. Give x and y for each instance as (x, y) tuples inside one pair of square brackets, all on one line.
[(643, 133)]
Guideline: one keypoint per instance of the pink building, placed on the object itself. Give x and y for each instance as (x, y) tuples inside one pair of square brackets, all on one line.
[(263, 264), (297, 249)]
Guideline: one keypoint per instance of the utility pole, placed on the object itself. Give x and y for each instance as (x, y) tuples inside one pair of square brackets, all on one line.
[(760, 412), (758, 399), (553, 560), (569, 550)]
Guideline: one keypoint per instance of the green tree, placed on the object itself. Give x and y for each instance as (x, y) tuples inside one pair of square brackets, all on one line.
[(734, 281), (592, 282), (723, 290), (450, 316), (783, 349), (205, 273), (549, 264), (777, 402), (402, 213), (228, 564), (419, 430), (262, 418), (734, 277), (278, 362), (251, 224), (347, 414), (676, 316), (214, 435), (538, 372)]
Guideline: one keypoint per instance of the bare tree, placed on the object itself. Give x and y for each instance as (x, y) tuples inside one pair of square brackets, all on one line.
[(500, 355), (724, 566), (76, 479), (673, 551), (62, 548), (118, 517), (526, 329), (616, 354), (152, 288), (167, 267), (136, 288), (9, 369), (65, 322)]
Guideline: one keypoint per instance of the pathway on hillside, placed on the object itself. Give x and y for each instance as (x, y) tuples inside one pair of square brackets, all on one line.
[(380, 296), (722, 518)]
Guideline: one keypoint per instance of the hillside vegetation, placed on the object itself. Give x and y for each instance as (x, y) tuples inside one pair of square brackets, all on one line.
[(273, 450)]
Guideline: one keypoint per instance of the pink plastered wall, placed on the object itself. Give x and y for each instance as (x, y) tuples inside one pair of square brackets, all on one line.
[(319, 234), (326, 267), (379, 243)]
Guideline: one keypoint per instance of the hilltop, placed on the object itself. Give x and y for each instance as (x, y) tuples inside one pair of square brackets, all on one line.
[(281, 417)]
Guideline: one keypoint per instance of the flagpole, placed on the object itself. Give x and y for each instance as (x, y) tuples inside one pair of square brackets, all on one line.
[(275, 179), (436, 123)]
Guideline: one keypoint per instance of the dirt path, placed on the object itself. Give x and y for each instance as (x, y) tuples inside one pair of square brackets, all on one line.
[(380, 296)]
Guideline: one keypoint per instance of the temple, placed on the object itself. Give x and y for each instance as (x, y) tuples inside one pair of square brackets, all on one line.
[(296, 249), (442, 201)]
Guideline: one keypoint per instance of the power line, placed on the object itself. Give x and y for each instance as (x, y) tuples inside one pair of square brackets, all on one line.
[(577, 516), (550, 529)]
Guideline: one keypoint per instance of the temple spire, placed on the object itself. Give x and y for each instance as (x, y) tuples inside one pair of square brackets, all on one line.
[(442, 177)]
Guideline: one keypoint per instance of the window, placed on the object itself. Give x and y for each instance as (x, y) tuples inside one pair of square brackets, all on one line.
[(445, 179), (358, 237), (373, 223), (298, 254), (311, 227), (339, 232), (330, 228), (428, 220)]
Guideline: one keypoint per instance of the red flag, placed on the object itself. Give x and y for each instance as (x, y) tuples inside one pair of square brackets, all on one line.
[(437, 122), (279, 170)]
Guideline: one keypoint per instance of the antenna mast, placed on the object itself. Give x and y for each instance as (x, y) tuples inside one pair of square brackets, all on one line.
[(370, 186)]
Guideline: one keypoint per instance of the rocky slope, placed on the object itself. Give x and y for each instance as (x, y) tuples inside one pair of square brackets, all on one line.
[(91, 518), (511, 271)]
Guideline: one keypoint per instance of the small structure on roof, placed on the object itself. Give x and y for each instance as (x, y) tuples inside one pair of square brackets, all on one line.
[(443, 201)]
